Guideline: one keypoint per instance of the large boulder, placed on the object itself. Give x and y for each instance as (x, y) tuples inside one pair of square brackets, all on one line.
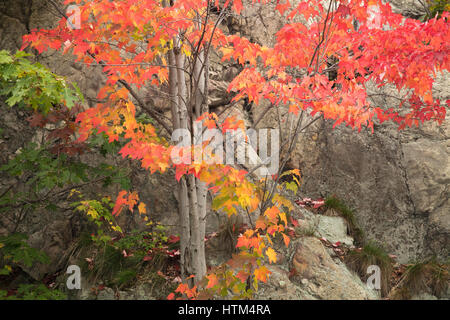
[(324, 277), (312, 274)]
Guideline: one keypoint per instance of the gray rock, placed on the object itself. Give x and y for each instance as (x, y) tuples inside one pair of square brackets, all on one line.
[(408, 8), (424, 296), (272, 290), (334, 229), (326, 279), (106, 294)]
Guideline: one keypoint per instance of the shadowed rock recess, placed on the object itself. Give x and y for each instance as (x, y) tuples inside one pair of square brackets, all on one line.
[(397, 182)]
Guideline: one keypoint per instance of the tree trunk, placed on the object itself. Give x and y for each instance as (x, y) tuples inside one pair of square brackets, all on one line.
[(186, 106)]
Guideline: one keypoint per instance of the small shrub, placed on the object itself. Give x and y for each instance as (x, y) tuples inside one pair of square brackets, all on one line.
[(428, 276), (360, 259), (125, 278), (436, 8)]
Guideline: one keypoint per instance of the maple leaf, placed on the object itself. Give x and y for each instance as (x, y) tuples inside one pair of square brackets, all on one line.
[(262, 273), (282, 7), (242, 242), (120, 202), (243, 276), (260, 223), (343, 10), (173, 239), (237, 6), (294, 222), (142, 208), (272, 255), (132, 200), (212, 280), (272, 213), (286, 239), (294, 109), (283, 218), (37, 120), (182, 288)]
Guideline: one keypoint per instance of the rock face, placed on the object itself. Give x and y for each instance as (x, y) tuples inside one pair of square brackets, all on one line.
[(141, 292), (408, 8), (398, 182), (313, 274), (324, 277)]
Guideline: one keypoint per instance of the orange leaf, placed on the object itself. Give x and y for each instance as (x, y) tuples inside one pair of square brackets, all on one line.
[(260, 223), (242, 275), (120, 201), (142, 208), (272, 213), (212, 280), (262, 273), (286, 240)]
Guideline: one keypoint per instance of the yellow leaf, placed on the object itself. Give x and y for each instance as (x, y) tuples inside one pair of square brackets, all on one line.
[(1, 245), (268, 239), (142, 208), (271, 254), (72, 192), (282, 216), (117, 228), (92, 213)]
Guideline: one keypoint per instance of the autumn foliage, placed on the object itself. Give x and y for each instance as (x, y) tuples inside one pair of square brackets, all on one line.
[(362, 42)]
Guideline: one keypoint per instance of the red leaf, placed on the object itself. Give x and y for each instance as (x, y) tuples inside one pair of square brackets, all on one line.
[(120, 202), (282, 7), (173, 239), (294, 222), (37, 120)]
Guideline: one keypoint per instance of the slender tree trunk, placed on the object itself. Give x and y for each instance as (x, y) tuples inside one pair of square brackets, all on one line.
[(202, 192), (201, 106), (191, 191), (179, 120)]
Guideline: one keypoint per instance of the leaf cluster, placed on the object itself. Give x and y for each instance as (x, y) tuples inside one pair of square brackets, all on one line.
[(28, 84)]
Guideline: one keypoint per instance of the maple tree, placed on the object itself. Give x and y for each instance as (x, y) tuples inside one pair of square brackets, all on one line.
[(322, 60)]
